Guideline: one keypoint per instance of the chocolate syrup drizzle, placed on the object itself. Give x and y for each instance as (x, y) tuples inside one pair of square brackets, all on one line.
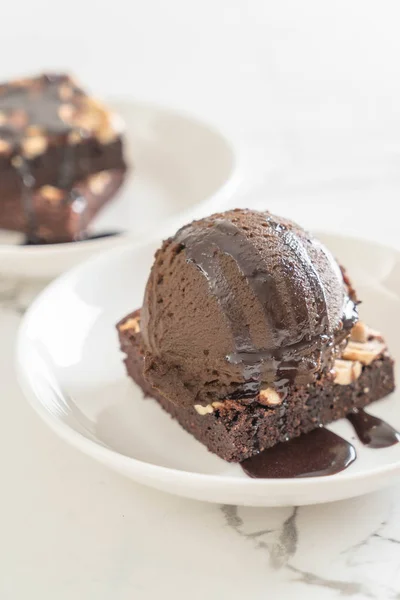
[(372, 431), (287, 358), (320, 452)]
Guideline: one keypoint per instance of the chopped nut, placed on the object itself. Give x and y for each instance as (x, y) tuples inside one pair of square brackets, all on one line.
[(17, 161), (346, 371), (34, 146), (51, 193), (98, 182), (203, 410), (74, 137), (366, 390), (132, 323), (364, 352), (112, 125), (269, 397), (66, 112), (65, 91), (5, 147), (217, 404), (87, 122), (90, 115), (359, 333), (22, 82), (106, 135), (362, 333)]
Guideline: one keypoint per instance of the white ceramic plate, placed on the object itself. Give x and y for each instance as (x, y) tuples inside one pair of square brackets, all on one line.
[(71, 370), (182, 168)]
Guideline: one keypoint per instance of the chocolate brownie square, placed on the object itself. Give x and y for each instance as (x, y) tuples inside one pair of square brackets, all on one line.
[(53, 136), (236, 430)]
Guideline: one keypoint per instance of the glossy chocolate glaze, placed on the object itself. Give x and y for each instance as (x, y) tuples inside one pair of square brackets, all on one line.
[(315, 454), (372, 431)]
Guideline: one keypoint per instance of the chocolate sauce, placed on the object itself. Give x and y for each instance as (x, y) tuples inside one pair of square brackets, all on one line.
[(350, 314), (86, 238), (98, 236), (293, 242), (372, 431), (320, 452)]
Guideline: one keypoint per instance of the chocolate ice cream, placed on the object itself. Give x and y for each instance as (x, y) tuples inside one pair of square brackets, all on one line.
[(239, 301)]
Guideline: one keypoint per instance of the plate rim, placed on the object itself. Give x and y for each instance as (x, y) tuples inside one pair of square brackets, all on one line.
[(112, 457)]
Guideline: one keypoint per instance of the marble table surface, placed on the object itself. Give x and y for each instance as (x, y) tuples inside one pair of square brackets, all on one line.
[(70, 529)]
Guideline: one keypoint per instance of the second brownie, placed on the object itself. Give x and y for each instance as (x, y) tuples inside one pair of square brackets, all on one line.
[(51, 134)]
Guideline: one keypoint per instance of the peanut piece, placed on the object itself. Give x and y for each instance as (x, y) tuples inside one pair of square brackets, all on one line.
[(269, 397), (203, 410), (365, 353), (132, 323), (346, 371)]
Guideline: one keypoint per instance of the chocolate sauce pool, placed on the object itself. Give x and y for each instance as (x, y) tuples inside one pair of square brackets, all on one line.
[(86, 238), (372, 431), (320, 452)]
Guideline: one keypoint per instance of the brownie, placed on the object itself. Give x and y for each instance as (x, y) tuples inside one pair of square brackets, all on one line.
[(52, 134), (236, 430), (64, 215)]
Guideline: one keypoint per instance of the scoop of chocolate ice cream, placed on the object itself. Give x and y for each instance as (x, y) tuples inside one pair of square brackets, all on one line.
[(241, 300)]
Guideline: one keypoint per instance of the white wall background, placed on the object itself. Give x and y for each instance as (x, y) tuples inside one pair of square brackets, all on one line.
[(314, 85)]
